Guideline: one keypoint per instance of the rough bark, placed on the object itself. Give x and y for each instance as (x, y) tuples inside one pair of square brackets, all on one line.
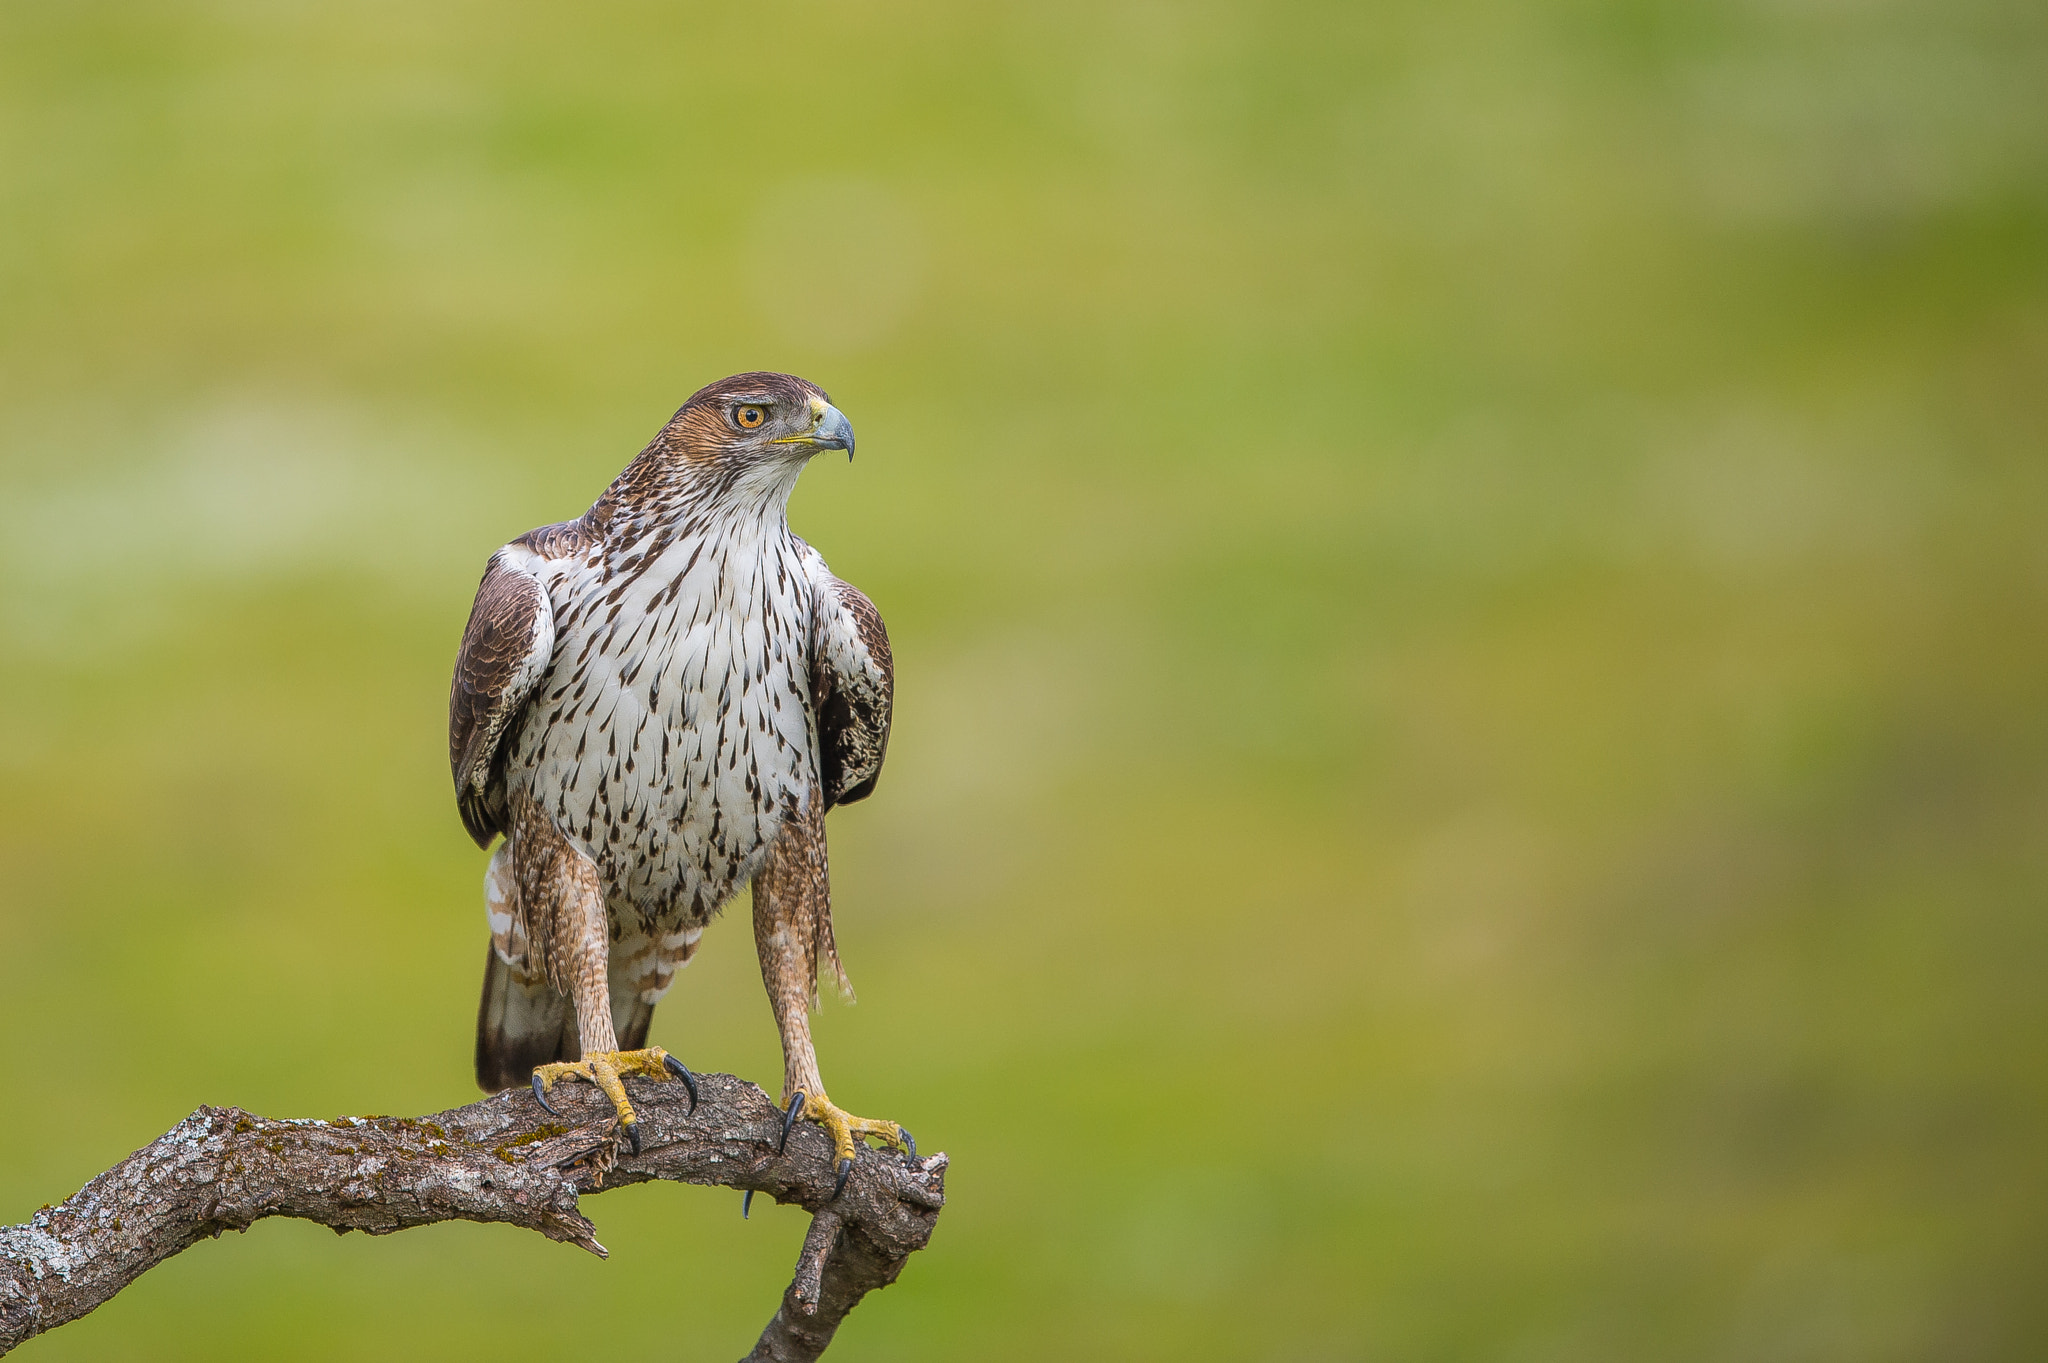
[(501, 1159)]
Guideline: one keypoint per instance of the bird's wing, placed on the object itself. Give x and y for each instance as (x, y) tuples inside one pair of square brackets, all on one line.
[(505, 652), (853, 685)]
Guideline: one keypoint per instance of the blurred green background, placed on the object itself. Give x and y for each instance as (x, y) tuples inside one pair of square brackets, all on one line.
[(1471, 600)]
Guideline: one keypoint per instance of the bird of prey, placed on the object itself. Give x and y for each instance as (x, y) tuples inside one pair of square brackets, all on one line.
[(655, 703)]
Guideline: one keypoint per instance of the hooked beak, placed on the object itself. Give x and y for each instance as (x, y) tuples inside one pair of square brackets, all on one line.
[(832, 431)]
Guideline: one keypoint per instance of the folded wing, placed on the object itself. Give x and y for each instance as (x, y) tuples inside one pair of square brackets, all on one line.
[(505, 652), (853, 687)]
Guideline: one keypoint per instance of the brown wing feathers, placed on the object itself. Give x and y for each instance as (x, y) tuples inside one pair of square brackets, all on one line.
[(504, 651)]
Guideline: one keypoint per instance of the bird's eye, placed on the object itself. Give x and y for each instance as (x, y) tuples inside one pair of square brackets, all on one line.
[(749, 417)]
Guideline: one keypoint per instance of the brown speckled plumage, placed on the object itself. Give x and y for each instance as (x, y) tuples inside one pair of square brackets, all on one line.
[(655, 703)]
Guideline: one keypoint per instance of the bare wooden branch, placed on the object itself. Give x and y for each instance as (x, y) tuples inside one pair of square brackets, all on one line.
[(502, 1159)]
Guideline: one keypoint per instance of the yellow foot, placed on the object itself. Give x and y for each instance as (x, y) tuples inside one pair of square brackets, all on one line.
[(844, 1128), (607, 1070)]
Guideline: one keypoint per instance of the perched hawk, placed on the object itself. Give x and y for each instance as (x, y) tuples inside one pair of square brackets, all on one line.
[(656, 703)]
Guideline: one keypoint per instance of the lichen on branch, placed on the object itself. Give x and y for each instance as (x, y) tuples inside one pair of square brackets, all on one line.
[(502, 1159)]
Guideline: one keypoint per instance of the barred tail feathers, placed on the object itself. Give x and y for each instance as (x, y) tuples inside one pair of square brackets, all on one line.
[(632, 1024), (519, 1025)]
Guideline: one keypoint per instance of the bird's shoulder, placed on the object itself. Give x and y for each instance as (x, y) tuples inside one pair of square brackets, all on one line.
[(847, 625), (550, 544)]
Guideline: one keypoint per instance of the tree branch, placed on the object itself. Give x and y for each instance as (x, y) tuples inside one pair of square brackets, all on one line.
[(501, 1159)]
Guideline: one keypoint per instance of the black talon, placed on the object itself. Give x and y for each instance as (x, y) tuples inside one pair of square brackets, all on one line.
[(796, 1105), (540, 1095), (633, 1136), (745, 1203), (909, 1140), (682, 1072), (845, 1168)]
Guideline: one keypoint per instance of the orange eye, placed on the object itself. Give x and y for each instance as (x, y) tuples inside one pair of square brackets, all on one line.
[(749, 417)]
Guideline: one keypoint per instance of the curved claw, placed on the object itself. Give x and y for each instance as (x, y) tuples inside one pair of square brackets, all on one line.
[(909, 1140), (633, 1136), (796, 1107), (845, 1168), (540, 1095), (745, 1203), (682, 1072)]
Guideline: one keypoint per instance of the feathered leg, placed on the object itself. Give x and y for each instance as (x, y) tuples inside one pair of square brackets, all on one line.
[(792, 921), (562, 902)]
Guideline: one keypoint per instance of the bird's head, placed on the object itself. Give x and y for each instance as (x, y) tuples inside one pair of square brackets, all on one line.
[(755, 420)]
